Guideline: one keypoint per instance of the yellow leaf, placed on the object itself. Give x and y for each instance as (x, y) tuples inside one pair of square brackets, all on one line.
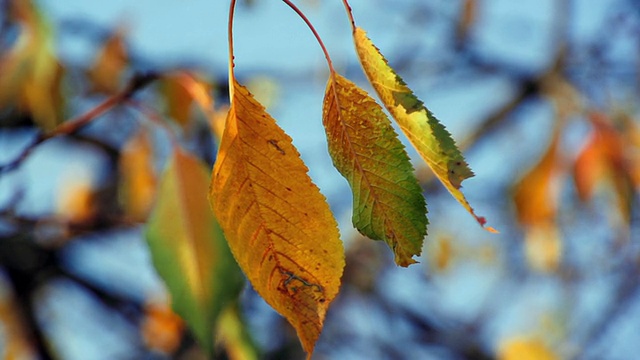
[(234, 335), (426, 133), (543, 247), (525, 349), (387, 199), (442, 254), (138, 179), (279, 227)]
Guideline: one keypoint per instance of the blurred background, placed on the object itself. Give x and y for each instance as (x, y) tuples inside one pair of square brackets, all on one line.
[(542, 97)]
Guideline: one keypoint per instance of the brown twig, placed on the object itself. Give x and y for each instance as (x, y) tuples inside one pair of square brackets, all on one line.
[(137, 83)]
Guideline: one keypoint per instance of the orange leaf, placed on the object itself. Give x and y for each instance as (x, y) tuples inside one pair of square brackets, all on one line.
[(138, 179), (181, 90), (278, 225), (534, 194), (109, 65)]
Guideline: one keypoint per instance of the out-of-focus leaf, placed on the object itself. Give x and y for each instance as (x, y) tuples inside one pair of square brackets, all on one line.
[(138, 179), (426, 133), (15, 335), (76, 200), (606, 159), (387, 200), (234, 335), (188, 249), (106, 73), (543, 247), (441, 253), (181, 90), (278, 224), (525, 349), (161, 328), (31, 75), (535, 195), (535, 198)]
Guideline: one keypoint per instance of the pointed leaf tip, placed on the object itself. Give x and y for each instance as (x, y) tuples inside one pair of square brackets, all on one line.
[(430, 138), (387, 199), (278, 224)]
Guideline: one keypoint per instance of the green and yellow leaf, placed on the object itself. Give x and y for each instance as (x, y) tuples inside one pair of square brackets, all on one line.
[(279, 227), (387, 200), (426, 133), (188, 249)]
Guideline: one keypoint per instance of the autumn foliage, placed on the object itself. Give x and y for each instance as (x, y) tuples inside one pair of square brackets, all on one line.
[(246, 208)]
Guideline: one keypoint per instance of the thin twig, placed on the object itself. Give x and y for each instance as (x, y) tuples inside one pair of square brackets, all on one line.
[(137, 83)]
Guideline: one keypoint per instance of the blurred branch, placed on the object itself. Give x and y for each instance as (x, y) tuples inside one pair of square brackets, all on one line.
[(137, 83)]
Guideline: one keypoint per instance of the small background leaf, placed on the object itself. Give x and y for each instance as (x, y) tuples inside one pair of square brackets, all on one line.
[(387, 199), (188, 248), (536, 201), (426, 133), (138, 182), (279, 226)]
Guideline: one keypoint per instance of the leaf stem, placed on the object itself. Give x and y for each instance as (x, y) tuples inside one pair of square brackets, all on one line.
[(315, 33), (232, 7), (350, 14)]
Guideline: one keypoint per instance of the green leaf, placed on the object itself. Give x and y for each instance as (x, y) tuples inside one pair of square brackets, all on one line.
[(188, 248), (387, 200)]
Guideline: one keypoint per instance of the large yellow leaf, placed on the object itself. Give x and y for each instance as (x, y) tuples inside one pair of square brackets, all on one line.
[(387, 200), (279, 226), (426, 133), (188, 249)]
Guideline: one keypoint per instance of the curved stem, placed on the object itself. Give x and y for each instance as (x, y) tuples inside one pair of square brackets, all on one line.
[(315, 33), (350, 14), (232, 7)]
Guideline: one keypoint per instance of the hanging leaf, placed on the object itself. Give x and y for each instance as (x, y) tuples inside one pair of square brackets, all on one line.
[(188, 249), (279, 226), (426, 133), (387, 200)]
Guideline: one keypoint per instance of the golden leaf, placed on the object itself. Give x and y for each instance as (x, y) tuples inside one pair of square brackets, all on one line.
[(387, 199), (279, 227)]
